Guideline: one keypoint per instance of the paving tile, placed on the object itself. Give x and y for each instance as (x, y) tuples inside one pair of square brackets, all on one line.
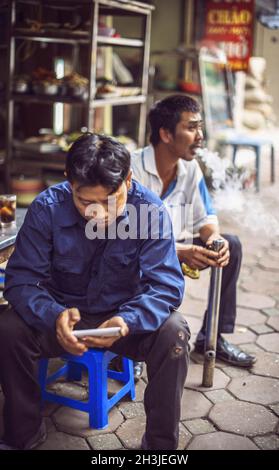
[(70, 390), (195, 308), (193, 340), (221, 441), (274, 323), (248, 317), (131, 410), (245, 272), (261, 329), (199, 358), (194, 323), (252, 348), (261, 282), (235, 371), (54, 364), (273, 253), (243, 418), (249, 259), (253, 300), (194, 405), (140, 389), (270, 342), (269, 263), (49, 408), (275, 408), (257, 285), (195, 374), (219, 395), (267, 364), (199, 426), (271, 311), (184, 438), (49, 425), (268, 442), (105, 442), (114, 386), (198, 289), (77, 422), (62, 441), (241, 335), (131, 431), (255, 389)]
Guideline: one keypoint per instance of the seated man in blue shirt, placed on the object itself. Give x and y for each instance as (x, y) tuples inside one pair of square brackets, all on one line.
[(63, 276), (168, 167)]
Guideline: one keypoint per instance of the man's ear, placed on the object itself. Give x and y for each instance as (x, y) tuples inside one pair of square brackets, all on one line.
[(165, 135), (129, 180)]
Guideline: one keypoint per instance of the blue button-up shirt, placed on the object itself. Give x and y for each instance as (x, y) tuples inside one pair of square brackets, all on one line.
[(56, 266)]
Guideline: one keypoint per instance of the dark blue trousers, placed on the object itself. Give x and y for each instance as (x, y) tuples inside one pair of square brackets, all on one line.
[(227, 314), (165, 351)]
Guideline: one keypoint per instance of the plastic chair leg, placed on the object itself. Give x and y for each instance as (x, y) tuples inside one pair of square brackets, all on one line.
[(272, 165), (129, 375), (257, 152), (235, 148), (98, 393)]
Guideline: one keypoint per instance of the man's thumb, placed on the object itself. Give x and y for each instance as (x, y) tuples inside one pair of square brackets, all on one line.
[(74, 315)]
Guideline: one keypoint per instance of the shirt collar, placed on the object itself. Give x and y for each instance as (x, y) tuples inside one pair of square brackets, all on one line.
[(148, 160), (181, 169), (67, 214), (149, 163)]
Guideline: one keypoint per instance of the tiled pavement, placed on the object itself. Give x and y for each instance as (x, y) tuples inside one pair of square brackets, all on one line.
[(241, 410)]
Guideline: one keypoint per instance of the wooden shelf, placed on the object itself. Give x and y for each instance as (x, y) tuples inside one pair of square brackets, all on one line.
[(32, 159), (47, 99), (72, 37), (18, 155), (42, 164), (97, 103), (111, 41), (55, 36), (118, 101)]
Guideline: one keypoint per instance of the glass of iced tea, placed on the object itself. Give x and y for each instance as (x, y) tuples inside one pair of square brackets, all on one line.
[(7, 209)]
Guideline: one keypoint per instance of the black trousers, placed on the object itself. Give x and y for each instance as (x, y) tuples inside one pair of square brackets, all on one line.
[(165, 351), (230, 275)]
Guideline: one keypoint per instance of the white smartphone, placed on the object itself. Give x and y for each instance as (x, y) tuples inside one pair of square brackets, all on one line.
[(113, 331)]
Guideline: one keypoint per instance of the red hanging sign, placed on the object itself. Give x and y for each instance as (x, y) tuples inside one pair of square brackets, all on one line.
[(229, 23)]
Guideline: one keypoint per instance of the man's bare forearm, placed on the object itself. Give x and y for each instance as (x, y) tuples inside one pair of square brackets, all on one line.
[(208, 230)]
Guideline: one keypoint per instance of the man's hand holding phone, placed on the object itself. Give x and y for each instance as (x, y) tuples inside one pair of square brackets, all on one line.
[(64, 327), (107, 341), (79, 344)]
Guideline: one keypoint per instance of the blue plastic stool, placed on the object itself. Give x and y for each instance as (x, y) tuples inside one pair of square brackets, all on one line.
[(96, 361), (239, 140)]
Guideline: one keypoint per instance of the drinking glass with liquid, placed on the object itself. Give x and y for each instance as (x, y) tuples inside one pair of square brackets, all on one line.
[(7, 209)]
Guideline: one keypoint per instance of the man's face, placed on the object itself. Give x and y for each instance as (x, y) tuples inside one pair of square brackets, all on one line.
[(188, 136), (98, 203)]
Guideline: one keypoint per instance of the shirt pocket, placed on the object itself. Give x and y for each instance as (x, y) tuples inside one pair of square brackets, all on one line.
[(121, 272), (70, 274)]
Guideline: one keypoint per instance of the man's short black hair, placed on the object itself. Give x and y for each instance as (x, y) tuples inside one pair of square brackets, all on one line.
[(96, 159), (166, 114)]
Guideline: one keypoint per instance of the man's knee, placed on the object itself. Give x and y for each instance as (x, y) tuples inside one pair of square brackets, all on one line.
[(175, 334), (12, 329), (234, 246)]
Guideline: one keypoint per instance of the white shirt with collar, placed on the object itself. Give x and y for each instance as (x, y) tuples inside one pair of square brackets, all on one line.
[(187, 198)]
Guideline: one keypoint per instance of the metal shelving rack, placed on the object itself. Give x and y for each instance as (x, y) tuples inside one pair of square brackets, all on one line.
[(3, 53), (93, 41)]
